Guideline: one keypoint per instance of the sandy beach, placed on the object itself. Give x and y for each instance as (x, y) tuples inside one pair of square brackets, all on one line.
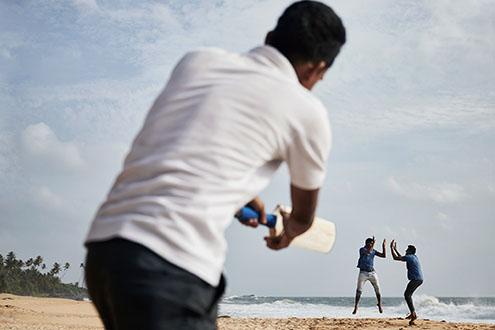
[(334, 324), (54, 313)]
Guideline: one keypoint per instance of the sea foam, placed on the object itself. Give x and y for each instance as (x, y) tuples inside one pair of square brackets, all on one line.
[(449, 309)]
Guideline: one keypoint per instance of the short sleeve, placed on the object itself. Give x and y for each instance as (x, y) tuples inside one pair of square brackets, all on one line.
[(403, 258), (308, 151)]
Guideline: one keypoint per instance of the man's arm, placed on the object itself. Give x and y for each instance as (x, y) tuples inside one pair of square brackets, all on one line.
[(306, 154), (395, 254), (382, 254), (304, 204)]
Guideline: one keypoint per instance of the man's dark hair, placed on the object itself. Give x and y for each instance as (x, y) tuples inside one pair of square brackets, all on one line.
[(369, 241), (308, 31), (411, 249)]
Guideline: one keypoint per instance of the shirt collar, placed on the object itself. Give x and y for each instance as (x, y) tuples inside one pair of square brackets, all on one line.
[(269, 55)]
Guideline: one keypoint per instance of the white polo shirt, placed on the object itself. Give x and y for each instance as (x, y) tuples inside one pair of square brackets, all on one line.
[(210, 143)]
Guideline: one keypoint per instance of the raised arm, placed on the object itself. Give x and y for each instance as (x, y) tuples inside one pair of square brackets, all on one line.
[(395, 254), (299, 220), (382, 254)]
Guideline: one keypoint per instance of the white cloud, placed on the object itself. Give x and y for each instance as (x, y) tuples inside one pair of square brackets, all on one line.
[(441, 216), (403, 73), (40, 143), (156, 13), (9, 41), (138, 15), (435, 192), (414, 65), (443, 220), (45, 198), (86, 6)]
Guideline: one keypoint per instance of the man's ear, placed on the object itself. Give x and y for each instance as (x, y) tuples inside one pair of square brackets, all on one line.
[(315, 71), (321, 68)]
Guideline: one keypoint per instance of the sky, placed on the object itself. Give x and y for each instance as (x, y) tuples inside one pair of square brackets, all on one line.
[(411, 101)]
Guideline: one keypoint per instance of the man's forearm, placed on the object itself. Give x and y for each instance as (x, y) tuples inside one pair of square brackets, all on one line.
[(298, 224), (397, 255), (393, 252), (303, 211)]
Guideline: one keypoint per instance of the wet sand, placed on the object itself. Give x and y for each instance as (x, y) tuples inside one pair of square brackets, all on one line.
[(337, 324)]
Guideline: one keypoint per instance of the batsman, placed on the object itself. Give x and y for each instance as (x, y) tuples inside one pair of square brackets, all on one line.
[(209, 145)]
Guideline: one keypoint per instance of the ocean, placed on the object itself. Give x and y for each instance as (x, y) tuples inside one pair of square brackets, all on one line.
[(451, 309)]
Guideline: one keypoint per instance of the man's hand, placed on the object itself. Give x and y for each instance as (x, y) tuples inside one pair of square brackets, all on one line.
[(384, 243), (298, 221), (392, 244), (258, 205), (281, 241), (278, 242)]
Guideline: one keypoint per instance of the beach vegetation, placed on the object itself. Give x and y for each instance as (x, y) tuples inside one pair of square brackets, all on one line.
[(33, 278)]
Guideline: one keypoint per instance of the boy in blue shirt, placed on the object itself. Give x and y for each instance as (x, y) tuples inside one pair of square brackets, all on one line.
[(414, 274), (367, 271)]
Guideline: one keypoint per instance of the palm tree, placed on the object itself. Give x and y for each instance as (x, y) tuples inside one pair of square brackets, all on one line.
[(29, 262), (66, 267), (55, 269), (38, 261), (10, 260)]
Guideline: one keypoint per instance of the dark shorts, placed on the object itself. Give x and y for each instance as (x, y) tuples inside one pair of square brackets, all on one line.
[(134, 288)]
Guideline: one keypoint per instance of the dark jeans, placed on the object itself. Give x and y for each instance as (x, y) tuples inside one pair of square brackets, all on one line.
[(134, 288), (411, 287)]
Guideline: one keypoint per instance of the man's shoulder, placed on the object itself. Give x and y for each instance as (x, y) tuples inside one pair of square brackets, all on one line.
[(414, 257), (208, 51), (201, 60), (315, 103), (309, 110), (204, 54), (298, 93)]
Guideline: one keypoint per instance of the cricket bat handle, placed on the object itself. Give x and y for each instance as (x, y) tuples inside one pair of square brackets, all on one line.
[(247, 213)]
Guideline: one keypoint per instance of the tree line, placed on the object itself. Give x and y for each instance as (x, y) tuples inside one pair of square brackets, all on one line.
[(33, 278)]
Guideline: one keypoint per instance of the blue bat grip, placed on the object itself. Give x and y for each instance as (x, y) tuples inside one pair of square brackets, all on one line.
[(247, 213)]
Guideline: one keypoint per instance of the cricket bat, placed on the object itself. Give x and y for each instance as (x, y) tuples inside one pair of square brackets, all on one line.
[(319, 237)]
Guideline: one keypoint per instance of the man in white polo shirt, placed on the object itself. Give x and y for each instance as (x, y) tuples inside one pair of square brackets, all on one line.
[(210, 143)]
